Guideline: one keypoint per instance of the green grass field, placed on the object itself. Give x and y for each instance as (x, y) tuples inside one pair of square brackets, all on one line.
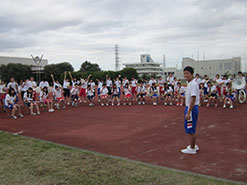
[(29, 161)]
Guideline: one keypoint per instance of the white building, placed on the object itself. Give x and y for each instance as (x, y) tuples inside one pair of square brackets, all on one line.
[(213, 67), (17, 60), (147, 67)]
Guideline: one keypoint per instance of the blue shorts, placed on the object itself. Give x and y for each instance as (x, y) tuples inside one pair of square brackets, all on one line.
[(190, 125), (9, 106), (182, 94), (155, 95), (98, 92), (232, 97)]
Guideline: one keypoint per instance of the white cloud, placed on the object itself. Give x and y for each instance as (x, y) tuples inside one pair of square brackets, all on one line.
[(76, 30)]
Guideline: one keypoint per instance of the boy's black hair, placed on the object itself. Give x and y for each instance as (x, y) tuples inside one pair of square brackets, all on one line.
[(30, 88), (153, 83), (189, 69), (56, 86), (178, 83), (240, 73)]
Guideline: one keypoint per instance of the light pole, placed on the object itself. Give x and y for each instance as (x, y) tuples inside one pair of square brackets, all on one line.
[(37, 61)]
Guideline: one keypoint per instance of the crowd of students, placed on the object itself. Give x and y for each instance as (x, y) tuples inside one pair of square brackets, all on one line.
[(112, 92)]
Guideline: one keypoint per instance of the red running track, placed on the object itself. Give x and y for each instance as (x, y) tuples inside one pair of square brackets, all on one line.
[(147, 133)]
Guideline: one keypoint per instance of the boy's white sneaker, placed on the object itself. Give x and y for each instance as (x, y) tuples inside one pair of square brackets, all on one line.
[(129, 103), (118, 104), (196, 147), (224, 106), (165, 103), (189, 150), (231, 107), (139, 103), (143, 103), (102, 104)]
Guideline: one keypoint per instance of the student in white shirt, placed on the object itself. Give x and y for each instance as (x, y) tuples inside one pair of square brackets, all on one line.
[(92, 84), (117, 82), (125, 81), (2, 91), (11, 103), (83, 93), (170, 79), (13, 84), (154, 94), (58, 97), (43, 84), (75, 95), (29, 100), (133, 88), (66, 90), (151, 81), (127, 94), (181, 94), (192, 100), (115, 95), (104, 95), (230, 95), (141, 93), (198, 79), (211, 94), (44, 98), (90, 95), (161, 83), (55, 82), (100, 84), (168, 94), (219, 85), (109, 85)]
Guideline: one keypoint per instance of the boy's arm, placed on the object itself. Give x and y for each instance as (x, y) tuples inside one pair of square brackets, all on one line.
[(192, 103)]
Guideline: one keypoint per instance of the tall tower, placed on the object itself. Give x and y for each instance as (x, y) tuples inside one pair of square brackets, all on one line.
[(164, 61), (117, 61)]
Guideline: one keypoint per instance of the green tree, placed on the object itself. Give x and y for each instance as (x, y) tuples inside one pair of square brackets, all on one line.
[(89, 67), (129, 73), (18, 71), (57, 70)]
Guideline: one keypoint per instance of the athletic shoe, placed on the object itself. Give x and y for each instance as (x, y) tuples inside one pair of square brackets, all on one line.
[(118, 104), (98, 100), (189, 150), (231, 107), (129, 103), (143, 103), (67, 103), (196, 147), (139, 103), (181, 104), (58, 107), (80, 101), (21, 116), (124, 103), (85, 101), (177, 104), (64, 107), (207, 105), (216, 105), (102, 104), (165, 104), (52, 110), (38, 113), (112, 104), (224, 106), (33, 114), (13, 117), (170, 103), (73, 104), (106, 104), (154, 103)]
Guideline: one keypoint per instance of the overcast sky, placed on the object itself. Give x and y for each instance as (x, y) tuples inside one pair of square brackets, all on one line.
[(79, 30)]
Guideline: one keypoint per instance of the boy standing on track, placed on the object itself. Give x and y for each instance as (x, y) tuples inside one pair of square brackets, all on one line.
[(192, 100)]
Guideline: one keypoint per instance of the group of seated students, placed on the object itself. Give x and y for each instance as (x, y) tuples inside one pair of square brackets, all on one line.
[(170, 91)]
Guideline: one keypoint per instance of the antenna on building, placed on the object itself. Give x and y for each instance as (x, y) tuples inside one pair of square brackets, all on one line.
[(117, 61), (197, 55), (164, 61)]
